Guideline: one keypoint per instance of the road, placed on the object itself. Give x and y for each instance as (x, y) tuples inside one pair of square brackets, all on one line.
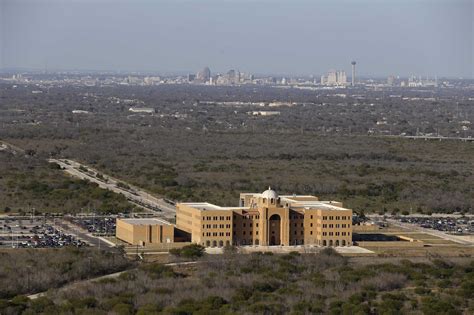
[(135, 195), (443, 235)]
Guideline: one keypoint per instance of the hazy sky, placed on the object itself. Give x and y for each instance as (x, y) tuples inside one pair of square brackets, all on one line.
[(399, 37)]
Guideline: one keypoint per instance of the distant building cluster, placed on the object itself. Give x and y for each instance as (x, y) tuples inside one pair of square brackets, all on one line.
[(232, 77), (334, 77)]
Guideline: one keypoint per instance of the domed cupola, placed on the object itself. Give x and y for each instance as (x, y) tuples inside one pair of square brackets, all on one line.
[(269, 196)]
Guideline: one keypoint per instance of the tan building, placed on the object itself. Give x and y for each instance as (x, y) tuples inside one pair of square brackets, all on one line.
[(267, 219), (144, 231)]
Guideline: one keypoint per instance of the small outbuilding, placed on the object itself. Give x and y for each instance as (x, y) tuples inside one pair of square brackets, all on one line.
[(145, 231)]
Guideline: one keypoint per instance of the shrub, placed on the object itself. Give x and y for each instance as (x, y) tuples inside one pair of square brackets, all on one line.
[(192, 251)]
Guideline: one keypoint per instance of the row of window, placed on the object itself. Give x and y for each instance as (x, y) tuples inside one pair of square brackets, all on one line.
[(215, 218), (215, 234), (221, 243), (250, 232), (336, 233), (337, 218), (215, 226), (336, 225), (227, 226)]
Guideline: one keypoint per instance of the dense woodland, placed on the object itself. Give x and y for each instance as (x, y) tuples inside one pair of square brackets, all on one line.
[(323, 283), (325, 144)]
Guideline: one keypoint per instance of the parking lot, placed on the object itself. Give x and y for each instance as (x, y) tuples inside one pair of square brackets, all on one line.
[(98, 226), (448, 224), (34, 233)]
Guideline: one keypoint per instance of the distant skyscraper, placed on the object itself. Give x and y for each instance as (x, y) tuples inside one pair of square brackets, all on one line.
[(204, 75), (353, 73), (390, 80)]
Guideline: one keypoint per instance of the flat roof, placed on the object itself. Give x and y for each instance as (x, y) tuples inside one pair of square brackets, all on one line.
[(323, 205), (209, 206), (149, 221)]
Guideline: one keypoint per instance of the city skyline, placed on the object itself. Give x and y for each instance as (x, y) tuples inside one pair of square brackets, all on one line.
[(425, 38)]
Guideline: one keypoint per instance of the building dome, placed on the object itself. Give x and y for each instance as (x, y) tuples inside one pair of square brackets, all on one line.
[(269, 194)]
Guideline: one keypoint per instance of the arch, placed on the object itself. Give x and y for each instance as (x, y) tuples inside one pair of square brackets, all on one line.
[(214, 243), (325, 243), (274, 231), (227, 243), (337, 242), (221, 243), (330, 243), (208, 243), (257, 242), (272, 200), (343, 242)]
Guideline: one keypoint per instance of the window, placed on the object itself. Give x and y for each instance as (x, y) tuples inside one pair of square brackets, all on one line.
[(311, 224), (295, 232), (311, 217), (203, 226), (250, 224), (302, 225), (256, 224), (244, 224), (338, 218), (325, 218), (243, 233), (214, 234), (310, 232), (202, 233), (233, 225), (256, 232), (302, 233)]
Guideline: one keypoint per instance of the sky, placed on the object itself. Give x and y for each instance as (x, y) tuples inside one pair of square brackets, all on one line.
[(385, 37)]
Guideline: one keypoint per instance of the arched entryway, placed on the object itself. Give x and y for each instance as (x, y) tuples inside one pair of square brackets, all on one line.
[(274, 231)]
